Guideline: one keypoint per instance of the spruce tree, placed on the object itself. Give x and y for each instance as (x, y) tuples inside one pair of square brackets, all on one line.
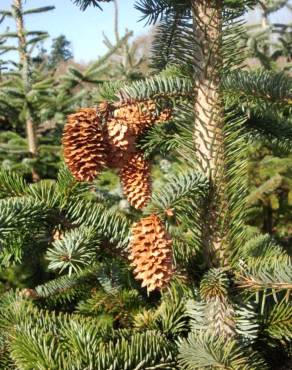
[(180, 282), (26, 40), (61, 51), (269, 41), (269, 167), (50, 99), (21, 34)]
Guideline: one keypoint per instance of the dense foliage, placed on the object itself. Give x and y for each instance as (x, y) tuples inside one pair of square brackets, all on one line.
[(222, 185)]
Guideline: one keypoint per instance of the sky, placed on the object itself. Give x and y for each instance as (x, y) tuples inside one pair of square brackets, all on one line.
[(84, 29)]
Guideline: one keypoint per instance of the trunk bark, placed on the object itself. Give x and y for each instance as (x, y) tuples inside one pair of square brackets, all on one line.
[(31, 137), (116, 21), (209, 120), (268, 219), (24, 60)]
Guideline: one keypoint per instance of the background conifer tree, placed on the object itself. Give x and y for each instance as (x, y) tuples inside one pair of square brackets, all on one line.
[(23, 89), (269, 41), (51, 99), (60, 51), (24, 62)]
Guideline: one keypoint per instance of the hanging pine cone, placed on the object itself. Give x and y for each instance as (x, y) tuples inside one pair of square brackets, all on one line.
[(151, 253), (84, 147), (140, 116), (120, 142), (28, 293), (136, 181)]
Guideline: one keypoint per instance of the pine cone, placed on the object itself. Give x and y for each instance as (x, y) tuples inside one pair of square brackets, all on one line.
[(136, 180), (151, 253), (125, 124), (28, 293), (84, 147), (120, 142), (140, 116)]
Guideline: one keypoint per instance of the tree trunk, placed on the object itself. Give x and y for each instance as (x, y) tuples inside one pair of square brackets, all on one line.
[(116, 21), (31, 136), (24, 61), (209, 120), (268, 219)]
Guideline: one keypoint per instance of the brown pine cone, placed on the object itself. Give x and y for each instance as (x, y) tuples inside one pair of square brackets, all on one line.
[(120, 142), (136, 180), (28, 293), (125, 124), (151, 253), (84, 146), (142, 115)]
